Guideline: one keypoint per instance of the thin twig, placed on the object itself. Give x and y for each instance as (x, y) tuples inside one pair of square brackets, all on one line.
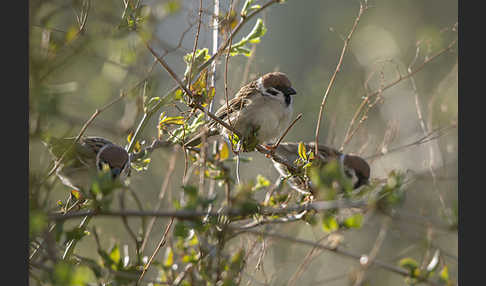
[(161, 243), (374, 251), (434, 134), (287, 130), (188, 215), (127, 226), (339, 251), (162, 192), (308, 257), (362, 8), (260, 148), (195, 45), (350, 132), (149, 114), (214, 51)]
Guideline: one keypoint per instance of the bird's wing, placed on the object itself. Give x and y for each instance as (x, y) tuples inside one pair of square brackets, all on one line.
[(79, 155), (240, 101)]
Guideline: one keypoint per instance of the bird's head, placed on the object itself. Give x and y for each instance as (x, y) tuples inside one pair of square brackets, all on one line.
[(116, 158), (276, 85), (360, 167)]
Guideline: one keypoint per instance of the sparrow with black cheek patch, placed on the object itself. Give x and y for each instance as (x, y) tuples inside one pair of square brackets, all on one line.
[(87, 157), (354, 167), (263, 106), (82, 163)]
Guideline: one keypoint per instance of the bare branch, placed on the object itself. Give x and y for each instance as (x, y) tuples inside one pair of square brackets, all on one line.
[(362, 8)]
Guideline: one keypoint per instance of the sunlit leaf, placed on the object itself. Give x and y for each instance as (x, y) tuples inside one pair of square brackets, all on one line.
[(181, 230), (223, 152), (71, 34), (329, 223), (172, 6), (408, 263), (169, 257), (115, 254), (302, 151), (151, 104), (253, 37), (201, 56), (76, 194), (354, 221), (37, 222), (174, 120), (227, 22), (246, 6), (141, 165), (262, 182), (444, 274)]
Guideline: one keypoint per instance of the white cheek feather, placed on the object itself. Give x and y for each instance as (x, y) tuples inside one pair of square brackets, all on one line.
[(260, 84)]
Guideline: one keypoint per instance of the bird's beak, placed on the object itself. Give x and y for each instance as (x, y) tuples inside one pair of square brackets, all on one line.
[(115, 172), (290, 91)]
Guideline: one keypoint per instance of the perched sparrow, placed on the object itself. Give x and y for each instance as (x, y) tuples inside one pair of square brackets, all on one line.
[(353, 167), (86, 158), (263, 106)]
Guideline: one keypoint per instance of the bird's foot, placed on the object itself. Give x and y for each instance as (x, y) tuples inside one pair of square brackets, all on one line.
[(270, 148)]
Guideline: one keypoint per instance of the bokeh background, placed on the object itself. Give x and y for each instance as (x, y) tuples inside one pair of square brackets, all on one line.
[(72, 75)]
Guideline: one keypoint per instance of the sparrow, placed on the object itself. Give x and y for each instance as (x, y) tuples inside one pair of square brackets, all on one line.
[(354, 167), (87, 157), (262, 107)]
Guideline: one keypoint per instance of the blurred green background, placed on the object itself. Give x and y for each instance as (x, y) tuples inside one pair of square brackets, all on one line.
[(72, 75)]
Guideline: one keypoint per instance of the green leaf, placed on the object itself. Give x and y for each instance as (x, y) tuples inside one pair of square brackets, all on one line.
[(62, 273), (83, 275), (302, 151), (37, 222), (201, 56), (151, 104), (261, 183), (354, 221), (408, 263), (253, 37), (329, 223), (172, 6), (444, 274), (246, 7), (115, 255), (175, 120), (256, 33), (141, 165), (186, 130), (169, 257), (223, 152), (181, 230), (237, 261), (240, 51)]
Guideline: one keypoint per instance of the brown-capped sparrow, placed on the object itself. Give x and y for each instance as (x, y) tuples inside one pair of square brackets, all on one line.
[(263, 106), (354, 167), (87, 157)]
